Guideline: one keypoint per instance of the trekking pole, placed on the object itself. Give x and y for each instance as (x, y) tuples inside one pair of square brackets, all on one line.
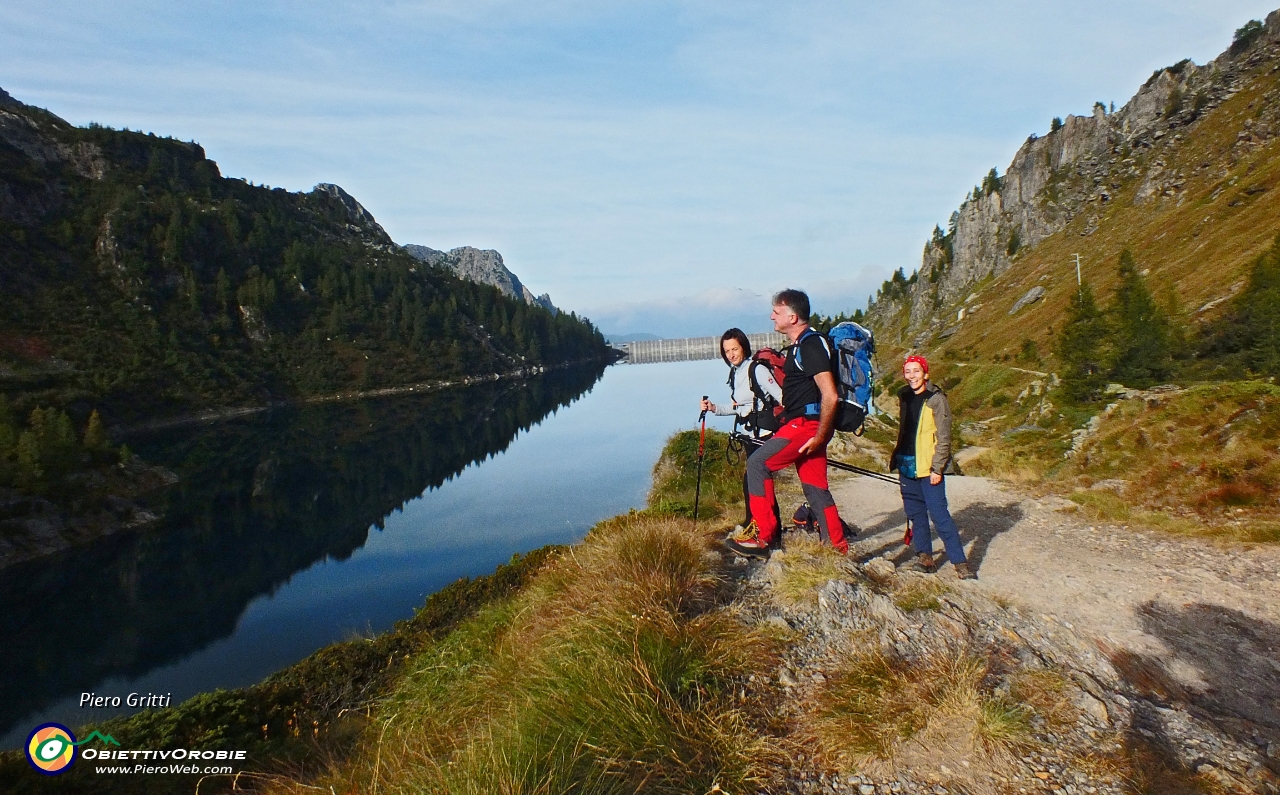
[(752, 444), (702, 441), (864, 472)]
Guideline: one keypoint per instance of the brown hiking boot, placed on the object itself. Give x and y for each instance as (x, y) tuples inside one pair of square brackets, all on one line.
[(922, 562), (964, 572)]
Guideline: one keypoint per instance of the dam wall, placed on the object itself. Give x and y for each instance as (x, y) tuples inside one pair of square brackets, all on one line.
[(691, 348)]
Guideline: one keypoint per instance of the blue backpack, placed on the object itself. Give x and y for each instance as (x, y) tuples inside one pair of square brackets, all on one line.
[(851, 347)]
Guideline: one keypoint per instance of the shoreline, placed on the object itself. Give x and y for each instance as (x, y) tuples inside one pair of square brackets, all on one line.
[(234, 412), (55, 529)]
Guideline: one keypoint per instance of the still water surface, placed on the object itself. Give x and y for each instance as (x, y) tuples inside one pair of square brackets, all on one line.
[(301, 527)]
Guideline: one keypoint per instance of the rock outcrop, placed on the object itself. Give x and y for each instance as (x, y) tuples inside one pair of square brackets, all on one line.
[(355, 210), (483, 266), (1074, 171)]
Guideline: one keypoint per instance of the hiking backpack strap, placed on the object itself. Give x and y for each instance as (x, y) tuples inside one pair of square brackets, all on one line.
[(807, 332), (810, 409), (756, 389)]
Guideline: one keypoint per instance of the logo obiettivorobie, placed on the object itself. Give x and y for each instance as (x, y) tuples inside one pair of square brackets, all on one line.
[(51, 748)]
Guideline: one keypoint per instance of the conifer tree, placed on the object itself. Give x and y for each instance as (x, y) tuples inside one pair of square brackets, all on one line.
[(1247, 337), (1142, 353), (1254, 326), (222, 289), (1082, 347), (95, 437), (8, 434), (30, 472), (992, 182)]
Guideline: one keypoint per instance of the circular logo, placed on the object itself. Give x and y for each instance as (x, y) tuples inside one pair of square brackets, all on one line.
[(51, 748)]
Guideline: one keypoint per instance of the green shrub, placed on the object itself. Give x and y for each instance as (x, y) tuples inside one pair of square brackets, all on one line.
[(1245, 35), (1200, 102), (675, 476), (1030, 351)]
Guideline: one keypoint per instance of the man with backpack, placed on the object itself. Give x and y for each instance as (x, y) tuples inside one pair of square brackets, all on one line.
[(809, 401)]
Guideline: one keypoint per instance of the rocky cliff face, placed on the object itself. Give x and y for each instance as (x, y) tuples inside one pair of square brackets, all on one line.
[(1075, 171), (484, 266), (34, 136), (358, 214)]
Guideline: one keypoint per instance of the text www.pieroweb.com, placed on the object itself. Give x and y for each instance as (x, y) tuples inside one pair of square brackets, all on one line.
[(163, 769), (144, 761)]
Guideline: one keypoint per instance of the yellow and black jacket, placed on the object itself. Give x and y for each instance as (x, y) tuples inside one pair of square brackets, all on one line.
[(933, 431)]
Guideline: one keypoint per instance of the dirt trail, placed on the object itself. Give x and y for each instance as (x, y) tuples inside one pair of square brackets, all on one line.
[(1201, 617)]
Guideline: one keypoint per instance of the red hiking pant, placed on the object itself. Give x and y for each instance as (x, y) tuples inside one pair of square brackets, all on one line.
[(778, 452)]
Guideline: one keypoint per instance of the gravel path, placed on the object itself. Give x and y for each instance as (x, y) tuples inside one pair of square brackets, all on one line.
[(1196, 620)]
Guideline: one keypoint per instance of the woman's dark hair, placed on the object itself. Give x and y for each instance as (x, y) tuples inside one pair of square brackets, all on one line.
[(737, 336)]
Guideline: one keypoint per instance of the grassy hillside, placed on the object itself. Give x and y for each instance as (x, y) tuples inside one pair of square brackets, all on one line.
[(1195, 200), (1197, 244), (134, 277)]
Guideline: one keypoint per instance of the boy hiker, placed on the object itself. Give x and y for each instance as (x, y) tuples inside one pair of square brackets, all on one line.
[(809, 400)]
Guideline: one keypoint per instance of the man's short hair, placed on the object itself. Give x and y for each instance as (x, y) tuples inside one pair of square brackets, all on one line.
[(796, 301)]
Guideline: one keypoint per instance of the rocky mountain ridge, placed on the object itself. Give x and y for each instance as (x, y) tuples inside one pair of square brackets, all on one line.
[(1077, 171), (483, 266)]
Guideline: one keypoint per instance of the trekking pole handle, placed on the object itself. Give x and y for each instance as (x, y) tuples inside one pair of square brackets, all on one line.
[(703, 415)]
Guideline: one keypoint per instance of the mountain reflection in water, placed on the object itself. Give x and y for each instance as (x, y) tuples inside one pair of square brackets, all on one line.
[(260, 500)]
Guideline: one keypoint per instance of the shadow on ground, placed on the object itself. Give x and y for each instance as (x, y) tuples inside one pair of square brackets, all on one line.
[(978, 524), (1235, 658)]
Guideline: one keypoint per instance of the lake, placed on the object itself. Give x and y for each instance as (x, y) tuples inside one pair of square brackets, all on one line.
[(292, 529)]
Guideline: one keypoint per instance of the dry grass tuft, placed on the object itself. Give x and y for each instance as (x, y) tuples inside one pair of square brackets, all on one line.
[(875, 702), (1207, 461), (802, 569), (1047, 694), (880, 711), (1003, 725), (918, 593), (1148, 769), (618, 671), (1011, 466)]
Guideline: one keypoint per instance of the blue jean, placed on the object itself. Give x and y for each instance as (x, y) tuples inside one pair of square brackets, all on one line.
[(922, 501)]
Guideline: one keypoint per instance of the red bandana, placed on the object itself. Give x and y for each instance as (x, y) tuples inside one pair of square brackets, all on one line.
[(920, 360)]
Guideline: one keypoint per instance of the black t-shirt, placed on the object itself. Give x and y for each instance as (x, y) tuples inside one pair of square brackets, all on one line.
[(798, 388), (910, 405)]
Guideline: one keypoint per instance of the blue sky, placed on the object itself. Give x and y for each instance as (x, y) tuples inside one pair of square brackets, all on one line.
[(657, 166)]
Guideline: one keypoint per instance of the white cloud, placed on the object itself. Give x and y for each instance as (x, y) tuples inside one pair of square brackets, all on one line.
[(711, 311), (634, 150)]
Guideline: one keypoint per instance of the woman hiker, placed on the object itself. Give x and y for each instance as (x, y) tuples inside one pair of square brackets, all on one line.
[(735, 349), (921, 457)]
